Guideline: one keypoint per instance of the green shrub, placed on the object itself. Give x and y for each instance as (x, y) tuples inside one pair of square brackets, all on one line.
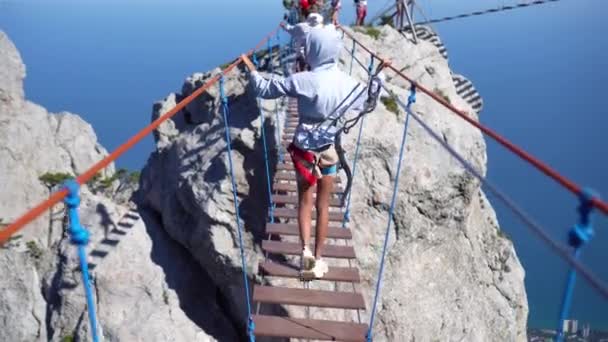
[(387, 20), (165, 297), (503, 234), (51, 179), (369, 30), (69, 338), (33, 250), (390, 103), (134, 177), (442, 94)]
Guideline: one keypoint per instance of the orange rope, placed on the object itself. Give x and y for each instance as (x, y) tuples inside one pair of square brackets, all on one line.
[(57, 196)]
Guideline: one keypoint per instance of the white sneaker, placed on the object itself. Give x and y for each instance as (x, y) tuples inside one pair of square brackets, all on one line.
[(320, 268), (307, 262)]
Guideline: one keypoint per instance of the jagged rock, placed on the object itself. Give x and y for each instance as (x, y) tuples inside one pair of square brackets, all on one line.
[(145, 285), (12, 73), (450, 275), (22, 308)]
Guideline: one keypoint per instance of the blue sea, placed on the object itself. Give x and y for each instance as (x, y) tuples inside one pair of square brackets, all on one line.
[(540, 71)]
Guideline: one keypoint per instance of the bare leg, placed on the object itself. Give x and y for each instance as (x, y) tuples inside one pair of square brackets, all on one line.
[(324, 189), (305, 199)]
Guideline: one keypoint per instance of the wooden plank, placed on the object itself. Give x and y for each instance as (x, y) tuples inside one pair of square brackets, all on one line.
[(306, 297), (287, 165), (342, 274), (322, 330), (334, 232), (334, 216), (293, 199), (295, 248), (292, 187), (290, 175)]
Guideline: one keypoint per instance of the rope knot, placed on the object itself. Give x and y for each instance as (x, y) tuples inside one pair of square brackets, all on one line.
[(412, 98), (251, 329), (223, 98), (79, 236), (72, 200), (582, 232)]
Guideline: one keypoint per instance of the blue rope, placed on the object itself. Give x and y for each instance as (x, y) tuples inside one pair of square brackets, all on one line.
[(225, 111), (276, 109), (352, 56), (411, 99), (270, 64), (346, 219), (79, 236), (578, 236), (271, 205)]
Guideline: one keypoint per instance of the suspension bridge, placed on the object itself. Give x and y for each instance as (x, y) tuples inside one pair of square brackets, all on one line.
[(282, 194)]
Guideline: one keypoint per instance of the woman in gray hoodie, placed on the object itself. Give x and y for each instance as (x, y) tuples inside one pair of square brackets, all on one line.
[(323, 93)]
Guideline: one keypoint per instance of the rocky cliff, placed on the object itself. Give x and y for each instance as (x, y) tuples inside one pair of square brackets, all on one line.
[(142, 279), (170, 269)]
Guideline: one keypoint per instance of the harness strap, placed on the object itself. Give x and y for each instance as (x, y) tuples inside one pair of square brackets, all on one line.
[(299, 158)]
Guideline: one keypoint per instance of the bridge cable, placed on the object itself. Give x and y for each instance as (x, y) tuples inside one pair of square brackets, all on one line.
[(225, 112)]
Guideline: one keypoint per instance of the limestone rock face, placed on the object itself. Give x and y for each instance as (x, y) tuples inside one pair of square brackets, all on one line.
[(12, 73), (450, 274), (146, 286), (22, 307)]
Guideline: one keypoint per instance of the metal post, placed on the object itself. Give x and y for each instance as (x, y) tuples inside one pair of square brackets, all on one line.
[(409, 13)]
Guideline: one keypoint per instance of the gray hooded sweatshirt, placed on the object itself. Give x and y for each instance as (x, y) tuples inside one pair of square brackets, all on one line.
[(323, 93)]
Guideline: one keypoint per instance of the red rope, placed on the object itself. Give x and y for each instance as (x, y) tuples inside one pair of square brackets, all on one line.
[(38, 210), (537, 163)]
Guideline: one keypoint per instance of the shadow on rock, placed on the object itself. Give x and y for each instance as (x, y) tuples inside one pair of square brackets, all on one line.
[(198, 297)]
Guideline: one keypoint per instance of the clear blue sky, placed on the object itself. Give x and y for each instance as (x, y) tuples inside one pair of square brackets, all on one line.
[(540, 71)]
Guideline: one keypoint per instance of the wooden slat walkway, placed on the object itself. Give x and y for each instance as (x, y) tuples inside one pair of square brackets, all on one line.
[(284, 228)]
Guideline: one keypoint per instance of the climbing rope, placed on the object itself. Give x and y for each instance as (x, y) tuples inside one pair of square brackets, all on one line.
[(225, 112), (486, 11), (352, 56), (411, 99), (276, 101), (79, 236), (271, 205), (346, 219)]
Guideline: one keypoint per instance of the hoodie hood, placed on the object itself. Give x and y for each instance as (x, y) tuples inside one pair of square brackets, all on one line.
[(323, 45), (314, 19)]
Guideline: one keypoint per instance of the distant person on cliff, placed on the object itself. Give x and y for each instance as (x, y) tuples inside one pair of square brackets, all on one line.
[(298, 33), (400, 5), (336, 6), (361, 6), (321, 93)]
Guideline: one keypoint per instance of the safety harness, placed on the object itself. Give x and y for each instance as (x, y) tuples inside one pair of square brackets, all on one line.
[(307, 163)]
